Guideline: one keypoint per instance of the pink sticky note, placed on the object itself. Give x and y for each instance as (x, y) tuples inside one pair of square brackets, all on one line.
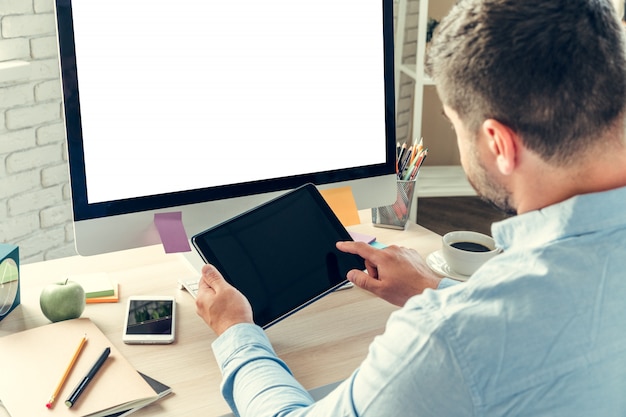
[(360, 237), (172, 232)]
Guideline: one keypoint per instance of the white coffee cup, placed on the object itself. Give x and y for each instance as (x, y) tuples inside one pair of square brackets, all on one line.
[(465, 251)]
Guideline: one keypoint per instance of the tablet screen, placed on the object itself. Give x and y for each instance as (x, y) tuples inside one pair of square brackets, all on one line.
[(280, 255)]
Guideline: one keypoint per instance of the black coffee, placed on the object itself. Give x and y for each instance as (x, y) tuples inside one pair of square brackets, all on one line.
[(470, 246)]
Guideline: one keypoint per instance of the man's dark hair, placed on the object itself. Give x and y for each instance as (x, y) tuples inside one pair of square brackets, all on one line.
[(552, 70)]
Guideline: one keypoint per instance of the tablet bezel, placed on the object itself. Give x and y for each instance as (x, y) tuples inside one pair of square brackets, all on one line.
[(200, 242)]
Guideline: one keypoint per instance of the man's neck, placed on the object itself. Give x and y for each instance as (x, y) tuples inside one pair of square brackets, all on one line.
[(540, 184)]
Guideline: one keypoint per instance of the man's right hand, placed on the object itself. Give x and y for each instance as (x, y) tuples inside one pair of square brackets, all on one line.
[(394, 274)]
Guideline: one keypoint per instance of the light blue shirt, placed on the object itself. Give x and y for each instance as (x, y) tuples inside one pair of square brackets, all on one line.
[(540, 330)]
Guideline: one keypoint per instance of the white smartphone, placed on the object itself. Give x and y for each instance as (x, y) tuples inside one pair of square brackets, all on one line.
[(150, 320)]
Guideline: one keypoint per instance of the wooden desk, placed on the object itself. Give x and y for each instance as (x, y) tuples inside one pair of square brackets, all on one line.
[(322, 343)]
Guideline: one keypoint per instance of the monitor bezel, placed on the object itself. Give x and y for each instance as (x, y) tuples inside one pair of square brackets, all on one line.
[(83, 210)]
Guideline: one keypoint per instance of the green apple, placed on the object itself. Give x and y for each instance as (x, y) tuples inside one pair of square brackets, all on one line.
[(62, 301)]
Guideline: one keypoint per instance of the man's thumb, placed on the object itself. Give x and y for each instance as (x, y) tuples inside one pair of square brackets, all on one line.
[(362, 280)]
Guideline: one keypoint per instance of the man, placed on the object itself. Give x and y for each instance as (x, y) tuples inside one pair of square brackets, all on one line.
[(536, 91)]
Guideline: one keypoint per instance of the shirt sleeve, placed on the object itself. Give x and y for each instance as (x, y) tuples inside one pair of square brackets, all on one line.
[(251, 369), (410, 366), (257, 383)]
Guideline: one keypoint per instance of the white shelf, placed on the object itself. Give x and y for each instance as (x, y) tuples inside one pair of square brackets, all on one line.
[(414, 71), (443, 181), (433, 181), (409, 69)]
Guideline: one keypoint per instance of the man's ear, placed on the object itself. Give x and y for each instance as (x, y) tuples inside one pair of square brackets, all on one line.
[(503, 145)]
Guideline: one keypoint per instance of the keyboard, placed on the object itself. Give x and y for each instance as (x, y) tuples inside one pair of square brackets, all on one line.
[(191, 285)]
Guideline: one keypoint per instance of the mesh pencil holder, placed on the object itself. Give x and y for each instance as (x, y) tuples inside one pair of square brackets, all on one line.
[(396, 215)]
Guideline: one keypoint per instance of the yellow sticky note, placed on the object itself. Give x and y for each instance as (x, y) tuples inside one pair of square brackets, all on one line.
[(341, 201)]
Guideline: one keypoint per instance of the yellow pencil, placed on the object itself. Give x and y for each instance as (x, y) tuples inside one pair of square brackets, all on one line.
[(67, 372)]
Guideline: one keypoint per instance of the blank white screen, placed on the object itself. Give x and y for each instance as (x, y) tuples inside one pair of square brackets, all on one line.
[(191, 94)]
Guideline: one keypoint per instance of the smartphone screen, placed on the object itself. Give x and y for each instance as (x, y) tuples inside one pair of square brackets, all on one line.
[(150, 320)]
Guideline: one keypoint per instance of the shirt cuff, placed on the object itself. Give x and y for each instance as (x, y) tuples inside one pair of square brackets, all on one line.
[(236, 337)]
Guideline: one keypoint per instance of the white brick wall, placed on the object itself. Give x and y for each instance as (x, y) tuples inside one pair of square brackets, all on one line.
[(13, 49), (35, 211)]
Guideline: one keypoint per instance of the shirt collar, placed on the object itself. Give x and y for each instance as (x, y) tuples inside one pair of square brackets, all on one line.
[(581, 214)]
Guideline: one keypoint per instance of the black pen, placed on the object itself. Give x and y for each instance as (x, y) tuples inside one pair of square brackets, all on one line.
[(87, 379)]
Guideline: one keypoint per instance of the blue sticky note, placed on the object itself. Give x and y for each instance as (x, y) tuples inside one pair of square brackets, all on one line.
[(378, 245)]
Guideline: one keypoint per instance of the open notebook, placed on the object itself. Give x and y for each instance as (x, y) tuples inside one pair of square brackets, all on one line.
[(39, 357)]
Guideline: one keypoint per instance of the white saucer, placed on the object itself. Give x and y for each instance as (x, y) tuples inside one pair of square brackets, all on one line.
[(436, 262)]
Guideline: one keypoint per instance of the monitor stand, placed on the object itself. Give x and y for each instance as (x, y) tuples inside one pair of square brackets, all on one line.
[(193, 261)]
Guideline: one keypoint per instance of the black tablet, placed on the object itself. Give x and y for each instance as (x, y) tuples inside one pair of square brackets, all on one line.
[(281, 255)]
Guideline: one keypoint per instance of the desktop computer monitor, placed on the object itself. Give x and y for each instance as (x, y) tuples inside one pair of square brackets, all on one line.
[(210, 108)]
